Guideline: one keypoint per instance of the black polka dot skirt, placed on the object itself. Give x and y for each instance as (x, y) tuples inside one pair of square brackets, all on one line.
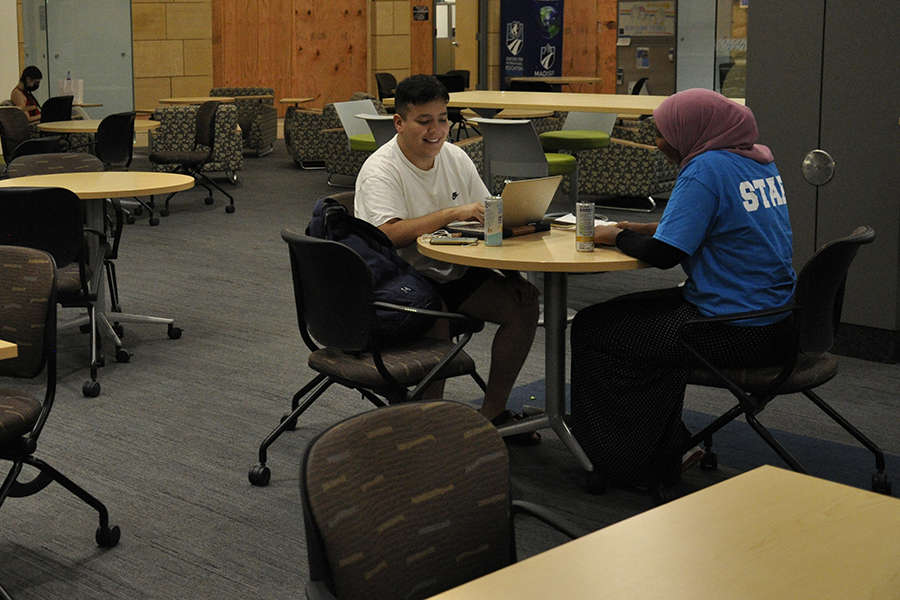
[(628, 380)]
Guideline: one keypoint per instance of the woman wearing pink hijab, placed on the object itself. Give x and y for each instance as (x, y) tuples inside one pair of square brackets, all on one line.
[(726, 224)]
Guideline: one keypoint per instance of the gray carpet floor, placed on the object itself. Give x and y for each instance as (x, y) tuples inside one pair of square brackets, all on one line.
[(168, 443)]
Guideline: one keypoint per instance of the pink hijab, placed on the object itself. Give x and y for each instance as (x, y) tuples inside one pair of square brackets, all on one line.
[(695, 121)]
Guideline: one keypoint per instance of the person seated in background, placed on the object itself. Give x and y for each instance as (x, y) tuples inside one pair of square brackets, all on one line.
[(22, 96), (726, 223), (416, 184)]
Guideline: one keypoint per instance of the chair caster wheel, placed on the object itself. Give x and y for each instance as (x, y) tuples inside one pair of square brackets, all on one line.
[(137, 210), (595, 483), (164, 212), (130, 220), (229, 209), (122, 355), (108, 537), (293, 424), (881, 483), (91, 389), (154, 222), (174, 332), (710, 461), (232, 177), (259, 475), (208, 200)]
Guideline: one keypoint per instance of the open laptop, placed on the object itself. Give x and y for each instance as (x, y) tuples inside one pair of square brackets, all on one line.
[(525, 202)]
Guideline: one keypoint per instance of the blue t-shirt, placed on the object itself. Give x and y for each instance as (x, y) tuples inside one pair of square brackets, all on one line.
[(729, 214)]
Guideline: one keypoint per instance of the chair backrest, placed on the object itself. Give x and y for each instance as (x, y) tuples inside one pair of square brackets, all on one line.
[(54, 162), (641, 87), (205, 133), (37, 146), (530, 86), (590, 121), (14, 129), (387, 83), (28, 310), (381, 126), (406, 501), (336, 311), (347, 112), (115, 139), (820, 290), (57, 108), (464, 73), (47, 219), (512, 148), (453, 83)]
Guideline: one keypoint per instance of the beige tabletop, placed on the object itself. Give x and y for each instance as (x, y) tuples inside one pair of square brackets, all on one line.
[(8, 350), (196, 99), (573, 81), (91, 125), (567, 101), (521, 113), (295, 101), (552, 253), (108, 184), (764, 535)]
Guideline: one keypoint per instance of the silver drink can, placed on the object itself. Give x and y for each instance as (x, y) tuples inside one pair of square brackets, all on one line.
[(584, 226), (493, 221)]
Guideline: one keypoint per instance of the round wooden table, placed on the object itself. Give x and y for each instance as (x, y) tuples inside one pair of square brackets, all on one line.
[(295, 101), (553, 254), (91, 125)]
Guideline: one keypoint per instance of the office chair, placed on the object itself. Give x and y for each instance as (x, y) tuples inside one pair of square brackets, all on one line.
[(464, 73), (816, 313), (51, 220), (191, 162), (336, 317), (387, 84), (408, 501), (114, 146), (57, 108), (359, 134), (513, 149), (28, 308), (455, 83), (15, 136), (641, 87)]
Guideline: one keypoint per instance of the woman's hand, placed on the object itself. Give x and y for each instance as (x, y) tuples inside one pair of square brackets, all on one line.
[(605, 235)]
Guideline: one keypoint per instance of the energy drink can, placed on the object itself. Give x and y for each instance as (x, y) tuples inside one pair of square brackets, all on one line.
[(584, 226), (493, 221)]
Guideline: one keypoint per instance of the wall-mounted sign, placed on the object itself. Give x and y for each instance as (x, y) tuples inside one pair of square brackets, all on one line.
[(420, 13), (646, 18)]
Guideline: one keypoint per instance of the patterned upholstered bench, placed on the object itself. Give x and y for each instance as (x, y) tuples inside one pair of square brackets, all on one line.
[(303, 135), (258, 118), (631, 166), (176, 132)]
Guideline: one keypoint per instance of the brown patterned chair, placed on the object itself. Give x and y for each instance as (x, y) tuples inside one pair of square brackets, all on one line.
[(177, 131), (336, 317), (258, 118), (408, 501), (28, 314), (303, 136)]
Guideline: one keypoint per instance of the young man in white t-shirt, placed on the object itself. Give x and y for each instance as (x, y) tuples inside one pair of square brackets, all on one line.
[(416, 184)]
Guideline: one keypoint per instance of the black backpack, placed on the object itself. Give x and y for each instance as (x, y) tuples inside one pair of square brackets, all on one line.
[(395, 280)]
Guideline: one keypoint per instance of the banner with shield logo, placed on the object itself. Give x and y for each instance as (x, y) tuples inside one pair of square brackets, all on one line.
[(531, 39)]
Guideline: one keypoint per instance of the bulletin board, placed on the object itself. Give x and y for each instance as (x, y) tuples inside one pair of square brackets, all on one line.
[(646, 18)]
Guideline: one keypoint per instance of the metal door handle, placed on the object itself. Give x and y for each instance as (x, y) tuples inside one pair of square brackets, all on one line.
[(817, 167)]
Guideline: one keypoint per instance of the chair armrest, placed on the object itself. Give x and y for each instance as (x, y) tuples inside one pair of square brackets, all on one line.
[(741, 316), (549, 517), (461, 319)]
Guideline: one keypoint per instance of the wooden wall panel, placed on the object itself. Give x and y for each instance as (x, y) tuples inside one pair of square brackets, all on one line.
[(299, 47), (421, 40)]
